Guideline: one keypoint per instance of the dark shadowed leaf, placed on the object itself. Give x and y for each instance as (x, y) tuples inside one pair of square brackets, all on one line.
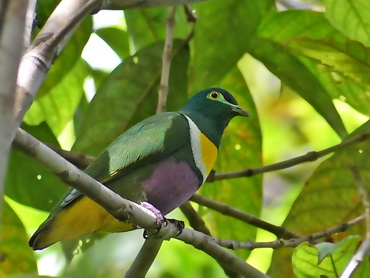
[(329, 197), (129, 94), (28, 182), (240, 148), (222, 36), (15, 256)]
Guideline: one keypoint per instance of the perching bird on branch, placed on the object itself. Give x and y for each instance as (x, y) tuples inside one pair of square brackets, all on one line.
[(161, 161)]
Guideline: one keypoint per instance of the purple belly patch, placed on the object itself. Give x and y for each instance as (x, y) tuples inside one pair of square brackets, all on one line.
[(171, 184)]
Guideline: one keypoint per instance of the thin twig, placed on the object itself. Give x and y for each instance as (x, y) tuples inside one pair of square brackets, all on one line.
[(195, 221), (308, 157), (293, 242), (225, 209), (166, 62), (364, 249)]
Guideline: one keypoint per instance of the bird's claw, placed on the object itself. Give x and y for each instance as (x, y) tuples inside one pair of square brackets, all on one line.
[(180, 225)]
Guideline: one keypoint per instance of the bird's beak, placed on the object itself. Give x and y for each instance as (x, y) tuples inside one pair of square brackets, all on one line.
[(240, 111)]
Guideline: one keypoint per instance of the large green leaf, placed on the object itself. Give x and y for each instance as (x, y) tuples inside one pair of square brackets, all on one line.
[(28, 182), (129, 94), (58, 107), (117, 39), (222, 36), (68, 57), (240, 148), (15, 256), (273, 47), (352, 17), (341, 66), (329, 197), (146, 26)]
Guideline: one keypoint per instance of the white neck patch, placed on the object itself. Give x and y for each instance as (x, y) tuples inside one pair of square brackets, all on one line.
[(204, 151)]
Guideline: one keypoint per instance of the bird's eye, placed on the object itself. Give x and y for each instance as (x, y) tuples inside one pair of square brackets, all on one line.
[(214, 95)]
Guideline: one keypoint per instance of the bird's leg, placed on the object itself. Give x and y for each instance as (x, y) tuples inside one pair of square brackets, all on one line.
[(158, 214), (161, 220)]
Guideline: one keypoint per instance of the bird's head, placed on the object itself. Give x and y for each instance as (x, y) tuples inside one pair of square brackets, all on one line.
[(212, 109)]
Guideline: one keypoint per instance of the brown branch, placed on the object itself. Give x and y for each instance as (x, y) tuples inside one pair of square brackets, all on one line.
[(308, 157), (293, 242), (225, 209), (195, 221)]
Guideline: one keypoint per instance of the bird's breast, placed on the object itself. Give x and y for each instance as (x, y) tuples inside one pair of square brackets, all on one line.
[(204, 150)]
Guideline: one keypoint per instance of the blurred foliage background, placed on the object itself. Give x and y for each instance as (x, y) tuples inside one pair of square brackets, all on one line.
[(301, 70)]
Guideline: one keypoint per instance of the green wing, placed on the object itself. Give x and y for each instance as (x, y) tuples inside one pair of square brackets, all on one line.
[(148, 141)]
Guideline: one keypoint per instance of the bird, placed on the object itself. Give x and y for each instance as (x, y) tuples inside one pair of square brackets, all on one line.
[(161, 161)]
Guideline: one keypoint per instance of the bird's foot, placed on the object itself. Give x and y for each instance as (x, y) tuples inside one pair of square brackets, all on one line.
[(161, 221), (179, 226)]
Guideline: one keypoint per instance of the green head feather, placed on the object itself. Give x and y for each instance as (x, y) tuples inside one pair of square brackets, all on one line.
[(211, 110)]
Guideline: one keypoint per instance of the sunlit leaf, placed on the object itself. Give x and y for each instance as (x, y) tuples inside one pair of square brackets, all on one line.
[(306, 258), (352, 17), (58, 107), (15, 256), (28, 182), (129, 94), (222, 37), (240, 148)]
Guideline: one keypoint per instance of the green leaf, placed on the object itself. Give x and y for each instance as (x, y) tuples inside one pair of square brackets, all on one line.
[(325, 259), (146, 26), (117, 39), (129, 95), (240, 148), (44, 9), (352, 17), (58, 107), (15, 256), (223, 30), (68, 58), (28, 182), (329, 197), (273, 47)]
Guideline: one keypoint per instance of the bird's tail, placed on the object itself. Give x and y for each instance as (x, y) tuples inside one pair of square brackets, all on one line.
[(80, 217)]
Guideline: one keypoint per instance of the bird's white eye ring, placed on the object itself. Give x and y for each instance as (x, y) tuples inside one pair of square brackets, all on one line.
[(214, 95)]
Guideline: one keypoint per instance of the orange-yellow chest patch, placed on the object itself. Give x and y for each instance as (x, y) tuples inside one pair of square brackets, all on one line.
[(204, 151)]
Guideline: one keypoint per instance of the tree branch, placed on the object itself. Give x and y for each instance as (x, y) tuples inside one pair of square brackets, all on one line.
[(225, 209), (292, 242), (12, 31), (308, 157), (131, 4), (125, 210), (194, 219)]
